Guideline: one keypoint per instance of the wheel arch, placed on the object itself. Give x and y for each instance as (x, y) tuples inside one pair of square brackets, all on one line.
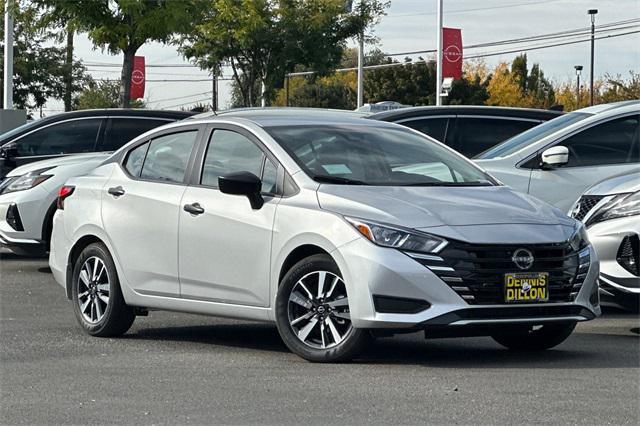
[(296, 255), (74, 253)]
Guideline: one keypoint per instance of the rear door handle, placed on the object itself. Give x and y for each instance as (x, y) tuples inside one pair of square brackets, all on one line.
[(116, 191), (193, 208)]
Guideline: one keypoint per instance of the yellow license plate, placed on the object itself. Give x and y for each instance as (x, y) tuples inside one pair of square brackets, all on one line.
[(526, 287)]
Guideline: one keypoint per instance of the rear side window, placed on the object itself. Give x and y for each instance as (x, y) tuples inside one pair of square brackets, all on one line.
[(475, 135), (122, 130), (230, 152), (434, 127), (613, 142), (68, 137), (167, 157)]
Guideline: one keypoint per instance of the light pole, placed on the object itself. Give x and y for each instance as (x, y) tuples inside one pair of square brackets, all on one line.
[(593, 13), (8, 56), (578, 72), (439, 54)]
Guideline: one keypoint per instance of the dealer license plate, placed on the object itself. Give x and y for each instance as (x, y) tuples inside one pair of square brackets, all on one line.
[(526, 287)]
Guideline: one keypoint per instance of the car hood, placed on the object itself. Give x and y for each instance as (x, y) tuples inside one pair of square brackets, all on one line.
[(627, 182), (93, 158), (428, 207)]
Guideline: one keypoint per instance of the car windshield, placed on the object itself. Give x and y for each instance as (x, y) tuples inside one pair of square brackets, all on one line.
[(530, 136), (375, 155), (8, 135)]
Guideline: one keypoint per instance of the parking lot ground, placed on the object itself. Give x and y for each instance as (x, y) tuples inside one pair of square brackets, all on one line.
[(183, 369)]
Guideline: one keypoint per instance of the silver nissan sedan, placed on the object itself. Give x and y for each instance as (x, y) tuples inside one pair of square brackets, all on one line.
[(335, 228)]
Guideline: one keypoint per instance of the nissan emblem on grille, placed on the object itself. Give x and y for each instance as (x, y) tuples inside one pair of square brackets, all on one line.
[(523, 258)]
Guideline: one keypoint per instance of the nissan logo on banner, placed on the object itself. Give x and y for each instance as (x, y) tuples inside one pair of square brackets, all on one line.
[(137, 78), (452, 53)]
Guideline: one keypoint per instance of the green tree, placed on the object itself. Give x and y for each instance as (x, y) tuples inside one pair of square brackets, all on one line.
[(262, 40), (103, 94), (40, 71), (123, 26)]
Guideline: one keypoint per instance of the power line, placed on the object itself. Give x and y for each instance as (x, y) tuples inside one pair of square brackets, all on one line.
[(188, 103), (457, 11)]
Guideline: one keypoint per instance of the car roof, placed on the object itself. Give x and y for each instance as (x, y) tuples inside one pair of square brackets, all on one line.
[(526, 113), (599, 109), (266, 117)]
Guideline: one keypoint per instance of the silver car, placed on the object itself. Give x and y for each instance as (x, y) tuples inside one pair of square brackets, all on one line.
[(611, 212), (334, 228)]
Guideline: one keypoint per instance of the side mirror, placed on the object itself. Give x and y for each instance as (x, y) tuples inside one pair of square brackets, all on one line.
[(243, 183), (8, 151), (554, 157)]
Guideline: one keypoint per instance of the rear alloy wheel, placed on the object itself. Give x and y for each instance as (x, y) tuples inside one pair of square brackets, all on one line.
[(535, 338), (312, 311), (97, 300)]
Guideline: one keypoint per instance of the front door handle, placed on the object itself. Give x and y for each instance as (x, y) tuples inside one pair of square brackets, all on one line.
[(193, 208), (116, 191)]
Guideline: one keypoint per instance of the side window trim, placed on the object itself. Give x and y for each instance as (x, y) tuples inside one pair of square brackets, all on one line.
[(121, 159), (102, 119), (520, 164), (198, 168)]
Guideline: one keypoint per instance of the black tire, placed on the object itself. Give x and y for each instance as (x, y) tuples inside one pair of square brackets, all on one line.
[(353, 343), (118, 317), (529, 339)]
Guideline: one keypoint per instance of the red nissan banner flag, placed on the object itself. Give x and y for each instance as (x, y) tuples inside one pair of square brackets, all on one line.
[(137, 78), (452, 53)]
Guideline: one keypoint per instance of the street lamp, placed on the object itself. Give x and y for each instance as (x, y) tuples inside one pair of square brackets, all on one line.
[(578, 72), (593, 13)]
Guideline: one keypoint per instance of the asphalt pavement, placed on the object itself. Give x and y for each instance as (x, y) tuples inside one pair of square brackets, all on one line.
[(175, 368)]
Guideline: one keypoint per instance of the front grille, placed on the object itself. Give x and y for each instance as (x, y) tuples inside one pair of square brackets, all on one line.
[(585, 204), (476, 272), (629, 254)]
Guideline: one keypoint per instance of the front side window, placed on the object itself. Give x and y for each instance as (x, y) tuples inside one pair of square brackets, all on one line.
[(167, 157), (122, 130), (230, 152), (67, 137), (613, 142), (375, 155)]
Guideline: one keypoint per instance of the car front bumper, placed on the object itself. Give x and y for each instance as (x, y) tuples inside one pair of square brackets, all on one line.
[(371, 271), (618, 286), (30, 207)]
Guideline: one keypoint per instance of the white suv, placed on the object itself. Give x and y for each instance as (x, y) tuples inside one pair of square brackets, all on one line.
[(558, 160)]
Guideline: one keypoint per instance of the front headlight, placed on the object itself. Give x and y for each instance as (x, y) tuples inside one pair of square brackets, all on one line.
[(622, 205), (399, 238), (27, 181), (579, 239)]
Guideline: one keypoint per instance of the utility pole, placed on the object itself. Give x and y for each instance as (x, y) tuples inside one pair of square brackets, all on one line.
[(8, 55), (360, 70), (214, 92), (593, 13), (286, 90), (439, 55), (578, 72)]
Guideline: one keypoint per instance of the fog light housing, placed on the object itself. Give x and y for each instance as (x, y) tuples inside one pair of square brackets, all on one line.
[(13, 217), (629, 254), (399, 305)]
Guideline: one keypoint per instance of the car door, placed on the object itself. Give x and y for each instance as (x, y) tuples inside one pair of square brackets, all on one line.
[(60, 138), (605, 149), (225, 251), (120, 130), (471, 135), (141, 208)]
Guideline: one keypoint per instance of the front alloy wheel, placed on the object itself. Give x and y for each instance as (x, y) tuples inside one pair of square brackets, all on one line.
[(312, 312)]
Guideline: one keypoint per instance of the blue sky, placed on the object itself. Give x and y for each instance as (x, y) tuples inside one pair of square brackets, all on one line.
[(411, 25)]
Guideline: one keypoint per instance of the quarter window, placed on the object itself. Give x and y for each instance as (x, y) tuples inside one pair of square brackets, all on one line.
[(167, 157), (135, 159), (613, 142), (62, 138), (230, 152), (475, 135)]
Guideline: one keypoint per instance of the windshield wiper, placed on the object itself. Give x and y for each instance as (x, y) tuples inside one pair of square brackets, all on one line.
[(474, 183), (338, 180)]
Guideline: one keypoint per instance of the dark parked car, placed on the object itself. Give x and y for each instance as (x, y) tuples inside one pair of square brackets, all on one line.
[(78, 132), (469, 130)]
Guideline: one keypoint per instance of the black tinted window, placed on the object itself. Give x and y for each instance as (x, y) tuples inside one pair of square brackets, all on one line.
[(167, 157), (613, 142), (62, 138), (122, 130), (434, 127), (475, 135), (230, 152), (135, 159)]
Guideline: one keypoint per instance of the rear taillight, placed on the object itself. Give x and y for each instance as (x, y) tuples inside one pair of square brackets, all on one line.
[(64, 193)]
